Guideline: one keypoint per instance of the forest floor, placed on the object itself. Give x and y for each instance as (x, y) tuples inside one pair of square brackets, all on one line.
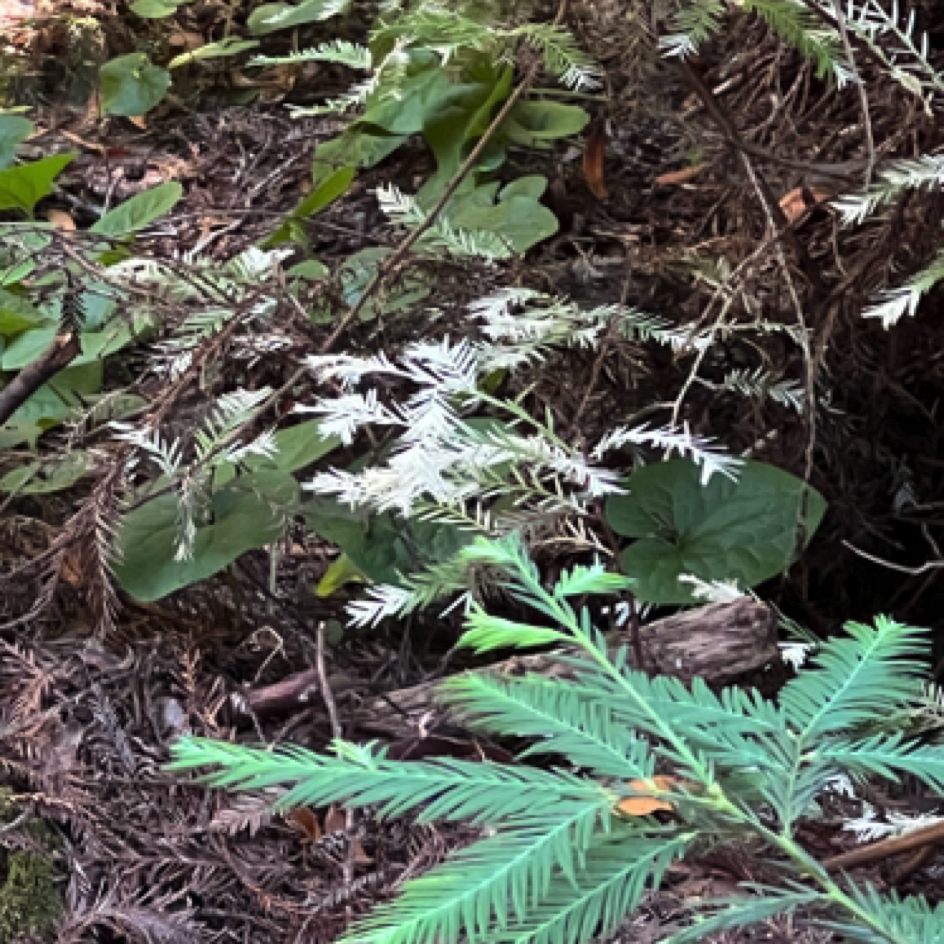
[(86, 721)]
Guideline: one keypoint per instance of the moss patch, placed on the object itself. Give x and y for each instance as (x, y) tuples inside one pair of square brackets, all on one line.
[(30, 902)]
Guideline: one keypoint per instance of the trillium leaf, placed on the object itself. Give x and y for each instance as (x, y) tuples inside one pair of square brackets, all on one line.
[(132, 85), (744, 530)]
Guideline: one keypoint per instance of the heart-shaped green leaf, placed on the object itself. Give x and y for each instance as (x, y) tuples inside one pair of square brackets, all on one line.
[(518, 217), (132, 85), (357, 271), (17, 314), (535, 124), (744, 530), (452, 129), (44, 476), (155, 9), (384, 546), (297, 447)]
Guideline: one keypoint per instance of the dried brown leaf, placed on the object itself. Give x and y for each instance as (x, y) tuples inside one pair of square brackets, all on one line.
[(799, 201), (594, 161)]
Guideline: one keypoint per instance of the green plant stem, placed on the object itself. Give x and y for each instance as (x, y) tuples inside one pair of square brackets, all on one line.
[(797, 854), (716, 798)]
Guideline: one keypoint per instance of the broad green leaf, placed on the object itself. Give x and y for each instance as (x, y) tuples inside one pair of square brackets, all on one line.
[(743, 531), (22, 187), (44, 476), (383, 546), (139, 211), (45, 408), (355, 149), (535, 124), (275, 16), (359, 269), (155, 9), (14, 130), (452, 130), (517, 217), (97, 308), (532, 187), (132, 85), (247, 513), (322, 196), (298, 446), (28, 345), (17, 314), (231, 46), (425, 89), (22, 432), (343, 571), (16, 241), (309, 269), (79, 383)]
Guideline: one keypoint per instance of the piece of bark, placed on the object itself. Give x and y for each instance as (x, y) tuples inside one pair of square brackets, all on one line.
[(295, 691), (716, 642)]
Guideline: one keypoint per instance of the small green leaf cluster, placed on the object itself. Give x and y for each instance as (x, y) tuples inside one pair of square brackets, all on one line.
[(559, 863), (27, 328), (742, 528)]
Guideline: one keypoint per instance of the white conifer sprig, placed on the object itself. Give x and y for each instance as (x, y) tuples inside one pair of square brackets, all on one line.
[(757, 384), (215, 440), (696, 22), (894, 180), (379, 602), (563, 58), (893, 304), (442, 236), (417, 592), (868, 828), (440, 369), (190, 491), (387, 74), (167, 454), (345, 415), (901, 47), (523, 325), (712, 591), (671, 440), (438, 455), (352, 55)]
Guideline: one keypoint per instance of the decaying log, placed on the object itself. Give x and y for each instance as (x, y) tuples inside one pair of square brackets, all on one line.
[(717, 643)]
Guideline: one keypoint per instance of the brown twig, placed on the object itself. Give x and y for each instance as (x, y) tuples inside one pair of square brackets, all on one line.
[(733, 137), (918, 839), (62, 352), (338, 733)]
